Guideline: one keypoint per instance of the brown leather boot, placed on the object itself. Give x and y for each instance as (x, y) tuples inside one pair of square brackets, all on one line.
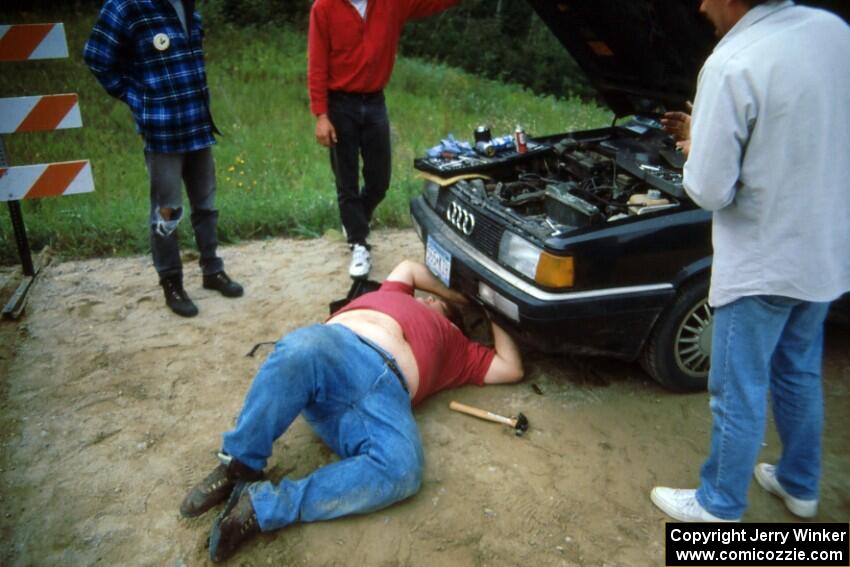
[(216, 487), (236, 524)]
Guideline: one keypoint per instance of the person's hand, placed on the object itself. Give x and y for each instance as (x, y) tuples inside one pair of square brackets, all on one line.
[(678, 124), (325, 132), (458, 298), (452, 296)]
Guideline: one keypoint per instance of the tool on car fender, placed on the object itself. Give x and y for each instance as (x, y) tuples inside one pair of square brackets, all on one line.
[(518, 423)]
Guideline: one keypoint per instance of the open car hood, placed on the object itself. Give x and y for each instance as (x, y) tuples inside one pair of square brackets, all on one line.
[(642, 56)]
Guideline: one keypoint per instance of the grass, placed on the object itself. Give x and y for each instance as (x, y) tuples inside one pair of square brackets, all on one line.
[(273, 179)]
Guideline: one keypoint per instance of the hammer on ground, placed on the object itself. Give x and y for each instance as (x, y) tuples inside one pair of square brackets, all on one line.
[(518, 423)]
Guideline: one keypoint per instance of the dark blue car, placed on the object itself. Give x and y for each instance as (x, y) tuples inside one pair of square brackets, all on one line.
[(587, 243)]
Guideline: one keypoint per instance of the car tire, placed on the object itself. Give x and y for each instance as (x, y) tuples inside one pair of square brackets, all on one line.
[(678, 351)]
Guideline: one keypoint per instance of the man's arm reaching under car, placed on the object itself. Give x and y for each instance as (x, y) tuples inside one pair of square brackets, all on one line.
[(507, 364), (506, 367), (418, 276)]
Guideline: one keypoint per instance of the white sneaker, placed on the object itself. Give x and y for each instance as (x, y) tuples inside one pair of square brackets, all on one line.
[(766, 477), (361, 262), (681, 504)]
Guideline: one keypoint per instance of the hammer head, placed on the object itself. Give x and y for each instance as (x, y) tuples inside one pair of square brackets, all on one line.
[(521, 424)]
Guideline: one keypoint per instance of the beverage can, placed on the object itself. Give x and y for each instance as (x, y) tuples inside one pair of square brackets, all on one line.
[(482, 134), (485, 148), (520, 140)]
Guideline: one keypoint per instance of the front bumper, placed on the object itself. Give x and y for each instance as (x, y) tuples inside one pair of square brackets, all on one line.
[(611, 322)]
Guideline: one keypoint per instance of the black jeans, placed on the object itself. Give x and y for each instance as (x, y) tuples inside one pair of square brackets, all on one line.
[(362, 129), (168, 172)]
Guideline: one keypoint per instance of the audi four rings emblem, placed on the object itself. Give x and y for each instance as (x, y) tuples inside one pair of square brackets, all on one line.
[(460, 218)]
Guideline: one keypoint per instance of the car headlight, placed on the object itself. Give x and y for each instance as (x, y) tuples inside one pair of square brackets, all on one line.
[(431, 193), (519, 254), (544, 268)]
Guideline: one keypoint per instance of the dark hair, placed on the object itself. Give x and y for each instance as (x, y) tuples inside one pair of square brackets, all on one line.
[(454, 315), (754, 3)]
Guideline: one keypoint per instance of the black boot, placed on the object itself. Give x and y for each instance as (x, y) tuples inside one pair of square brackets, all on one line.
[(222, 283), (176, 298), (216, 487), (236, 525)]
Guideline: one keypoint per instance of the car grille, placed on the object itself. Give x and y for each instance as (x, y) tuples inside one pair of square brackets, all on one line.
[(484, 235)]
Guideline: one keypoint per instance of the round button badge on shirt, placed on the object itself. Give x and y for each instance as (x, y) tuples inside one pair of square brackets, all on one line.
[(161, 42)]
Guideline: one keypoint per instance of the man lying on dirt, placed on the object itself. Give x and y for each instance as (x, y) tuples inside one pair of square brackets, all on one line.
[(353, 378)]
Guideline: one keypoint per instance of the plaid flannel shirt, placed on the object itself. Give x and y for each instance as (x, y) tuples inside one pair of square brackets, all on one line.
[(163, 83)]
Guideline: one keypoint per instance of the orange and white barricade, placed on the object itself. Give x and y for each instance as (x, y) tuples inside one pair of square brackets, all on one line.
[(45, 180), (23, 42), (29, 114), (39, 113)]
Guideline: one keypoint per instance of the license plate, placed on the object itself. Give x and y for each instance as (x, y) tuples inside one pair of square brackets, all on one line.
[(438, 260)]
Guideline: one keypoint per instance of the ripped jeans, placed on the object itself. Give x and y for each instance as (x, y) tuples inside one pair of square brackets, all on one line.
[(167, 173), (354, 402)]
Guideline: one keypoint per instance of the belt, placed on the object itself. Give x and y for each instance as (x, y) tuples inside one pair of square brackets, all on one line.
[(389, 362)]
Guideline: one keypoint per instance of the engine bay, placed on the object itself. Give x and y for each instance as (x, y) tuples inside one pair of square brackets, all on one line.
[(582, 180)]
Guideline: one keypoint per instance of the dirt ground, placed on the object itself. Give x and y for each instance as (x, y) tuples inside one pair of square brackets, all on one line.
[(112, 407)]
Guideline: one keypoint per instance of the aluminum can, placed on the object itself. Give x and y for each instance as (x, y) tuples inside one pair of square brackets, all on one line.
[(485, 148), (520, 140), (482, 134)]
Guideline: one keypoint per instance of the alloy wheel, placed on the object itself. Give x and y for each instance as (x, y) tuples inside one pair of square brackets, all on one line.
[(692, 345)]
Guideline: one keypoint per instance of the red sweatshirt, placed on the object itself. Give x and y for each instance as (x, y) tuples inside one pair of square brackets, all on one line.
[(347, 53)]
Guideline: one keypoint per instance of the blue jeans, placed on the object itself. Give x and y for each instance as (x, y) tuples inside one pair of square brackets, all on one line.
[(362, 129), (354, 402), (168, 172), (763, 343)]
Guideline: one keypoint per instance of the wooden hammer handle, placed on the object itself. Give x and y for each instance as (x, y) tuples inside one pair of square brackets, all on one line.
[(482, 414)]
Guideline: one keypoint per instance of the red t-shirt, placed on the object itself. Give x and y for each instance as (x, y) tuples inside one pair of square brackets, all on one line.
[(446, 358), (346, 52)]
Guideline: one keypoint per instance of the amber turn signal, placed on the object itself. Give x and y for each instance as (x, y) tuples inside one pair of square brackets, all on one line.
[(555, 271)]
